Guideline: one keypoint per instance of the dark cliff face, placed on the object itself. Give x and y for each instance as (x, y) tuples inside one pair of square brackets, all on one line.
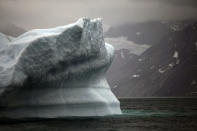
[(168, 68)]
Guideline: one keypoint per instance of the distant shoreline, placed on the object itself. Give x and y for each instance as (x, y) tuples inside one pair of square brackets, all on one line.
[(181, 97)]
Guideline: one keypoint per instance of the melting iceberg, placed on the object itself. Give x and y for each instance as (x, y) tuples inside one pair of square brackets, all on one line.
[(58, 72)]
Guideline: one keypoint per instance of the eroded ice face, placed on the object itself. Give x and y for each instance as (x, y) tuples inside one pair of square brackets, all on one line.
[(63, 67)]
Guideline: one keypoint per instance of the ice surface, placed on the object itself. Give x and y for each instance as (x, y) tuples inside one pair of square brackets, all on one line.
[(57, 72)]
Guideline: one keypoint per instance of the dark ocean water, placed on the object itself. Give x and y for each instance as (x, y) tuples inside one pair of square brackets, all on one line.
[(139, 114)]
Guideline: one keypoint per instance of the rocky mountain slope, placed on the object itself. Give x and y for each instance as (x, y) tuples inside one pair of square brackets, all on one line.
[(167, 68)]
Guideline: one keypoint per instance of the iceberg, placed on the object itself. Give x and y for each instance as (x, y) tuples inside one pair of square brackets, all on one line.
[(57, 72)]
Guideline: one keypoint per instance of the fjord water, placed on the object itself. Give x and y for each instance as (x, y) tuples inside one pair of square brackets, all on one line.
[(139, 114)]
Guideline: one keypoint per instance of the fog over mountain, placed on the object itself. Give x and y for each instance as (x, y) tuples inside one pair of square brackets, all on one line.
[(11, 29), (29, 14)]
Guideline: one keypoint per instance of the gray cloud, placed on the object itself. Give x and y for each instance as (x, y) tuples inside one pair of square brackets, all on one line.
[(49, 13), (190, 3)]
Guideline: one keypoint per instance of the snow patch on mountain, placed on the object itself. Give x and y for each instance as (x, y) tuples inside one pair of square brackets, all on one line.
[(176, 54), (136, 75), (115, 86), (123, 43), (138, 33), (161, 70)]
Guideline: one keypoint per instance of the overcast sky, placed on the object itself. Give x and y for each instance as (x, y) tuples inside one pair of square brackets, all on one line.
[(30, 14)]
